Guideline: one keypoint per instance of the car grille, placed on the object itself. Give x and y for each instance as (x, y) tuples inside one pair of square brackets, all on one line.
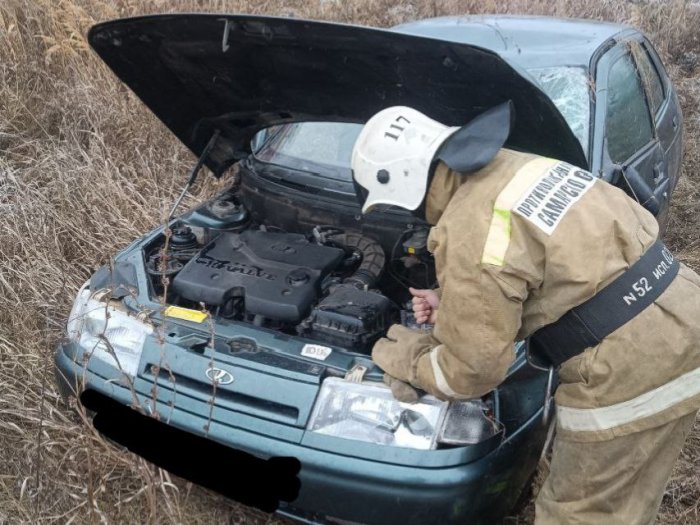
[(222, 397)]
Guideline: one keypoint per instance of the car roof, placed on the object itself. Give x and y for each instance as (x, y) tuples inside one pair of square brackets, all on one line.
[(527, 41)]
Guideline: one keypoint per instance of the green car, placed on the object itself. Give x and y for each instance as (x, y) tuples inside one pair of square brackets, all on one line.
[(247, 323)]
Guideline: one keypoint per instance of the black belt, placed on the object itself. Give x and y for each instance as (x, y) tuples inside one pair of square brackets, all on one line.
[(589, 323)]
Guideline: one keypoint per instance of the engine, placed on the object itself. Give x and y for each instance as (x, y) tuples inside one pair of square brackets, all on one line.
[(275, 275), (320, 286)]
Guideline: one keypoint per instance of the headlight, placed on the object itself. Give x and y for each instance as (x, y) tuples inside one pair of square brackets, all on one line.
[(468, 423), (74, 326), (92, 322), (369, 412)]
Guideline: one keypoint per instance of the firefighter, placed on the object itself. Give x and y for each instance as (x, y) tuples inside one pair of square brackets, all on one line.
[(528, 246)]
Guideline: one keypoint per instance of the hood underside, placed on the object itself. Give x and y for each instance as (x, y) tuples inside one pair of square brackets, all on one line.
[(240, 74)]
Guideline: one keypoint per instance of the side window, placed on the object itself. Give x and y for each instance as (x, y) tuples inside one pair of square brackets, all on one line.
[(628, 122), (650, 76)]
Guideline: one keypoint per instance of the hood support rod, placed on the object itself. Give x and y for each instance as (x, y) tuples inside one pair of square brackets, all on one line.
[(195, 171)]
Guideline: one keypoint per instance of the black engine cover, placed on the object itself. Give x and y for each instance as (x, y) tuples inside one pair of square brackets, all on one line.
[(277, 274)]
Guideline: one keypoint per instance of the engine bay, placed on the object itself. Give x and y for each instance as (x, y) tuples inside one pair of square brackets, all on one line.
[(329, 284), (275, 275)]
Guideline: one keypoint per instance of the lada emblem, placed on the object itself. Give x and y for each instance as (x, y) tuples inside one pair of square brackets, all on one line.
[(219, 376)]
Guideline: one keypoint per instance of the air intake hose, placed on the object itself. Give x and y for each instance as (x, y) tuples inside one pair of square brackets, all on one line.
[(373, 258)]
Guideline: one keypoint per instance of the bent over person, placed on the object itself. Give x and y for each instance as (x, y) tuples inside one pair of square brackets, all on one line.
[(527, 246)]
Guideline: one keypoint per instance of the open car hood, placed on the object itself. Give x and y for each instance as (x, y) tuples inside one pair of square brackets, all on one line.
[(239, 74)]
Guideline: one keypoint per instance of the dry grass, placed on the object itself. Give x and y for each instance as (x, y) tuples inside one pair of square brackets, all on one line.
[(84, 169)]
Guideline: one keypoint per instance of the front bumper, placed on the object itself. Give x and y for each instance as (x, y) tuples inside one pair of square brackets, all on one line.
[(343, 479)]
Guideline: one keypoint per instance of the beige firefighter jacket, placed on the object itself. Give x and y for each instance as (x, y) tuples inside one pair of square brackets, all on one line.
[(516, 245)]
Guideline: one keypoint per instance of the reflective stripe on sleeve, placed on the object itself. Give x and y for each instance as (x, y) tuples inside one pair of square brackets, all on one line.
[(439, 377), (646, 405), (498, 237)]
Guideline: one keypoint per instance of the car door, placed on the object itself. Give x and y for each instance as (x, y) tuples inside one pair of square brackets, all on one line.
[(625, 127), (665, 110)]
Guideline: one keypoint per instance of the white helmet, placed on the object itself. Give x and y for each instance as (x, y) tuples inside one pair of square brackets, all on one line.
[(394, 153)]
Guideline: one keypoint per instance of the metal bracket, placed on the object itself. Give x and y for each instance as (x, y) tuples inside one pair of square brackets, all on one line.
[(356, 374), (195, 171)]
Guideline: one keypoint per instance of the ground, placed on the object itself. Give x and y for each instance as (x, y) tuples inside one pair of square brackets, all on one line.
[(85, 168)]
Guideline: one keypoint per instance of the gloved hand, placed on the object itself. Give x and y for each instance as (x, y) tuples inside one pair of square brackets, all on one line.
[(401, 391), (397, 354)]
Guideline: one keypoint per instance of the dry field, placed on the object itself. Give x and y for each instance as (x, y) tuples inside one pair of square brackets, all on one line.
[(85, 168)]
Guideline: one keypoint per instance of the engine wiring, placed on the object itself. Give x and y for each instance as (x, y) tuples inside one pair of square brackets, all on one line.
[(393, 259)]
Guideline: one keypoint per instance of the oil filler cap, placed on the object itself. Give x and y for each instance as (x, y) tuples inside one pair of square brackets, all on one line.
[(298, 277)]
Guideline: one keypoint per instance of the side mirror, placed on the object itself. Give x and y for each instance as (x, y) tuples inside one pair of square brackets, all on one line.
[(640, 189)]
